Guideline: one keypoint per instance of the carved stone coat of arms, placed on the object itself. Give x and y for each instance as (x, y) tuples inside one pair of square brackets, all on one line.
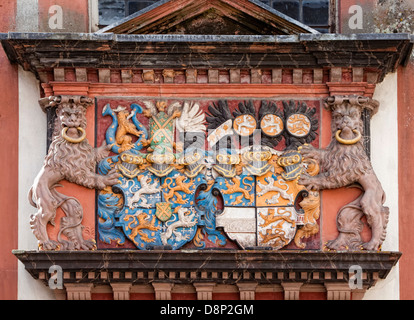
[(202, 172), (208, 173)]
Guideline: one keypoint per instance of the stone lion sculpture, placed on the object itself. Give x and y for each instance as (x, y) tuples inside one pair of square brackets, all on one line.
[(345, 163), (70, 157)]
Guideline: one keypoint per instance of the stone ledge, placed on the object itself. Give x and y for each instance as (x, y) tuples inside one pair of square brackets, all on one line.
[(219, 266), (38, 52)]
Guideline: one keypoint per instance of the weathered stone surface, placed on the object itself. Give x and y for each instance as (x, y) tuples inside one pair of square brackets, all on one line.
[(39, 51), (227, 266)]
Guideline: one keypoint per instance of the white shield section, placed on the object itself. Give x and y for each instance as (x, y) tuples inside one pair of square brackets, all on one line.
[(239, 224)]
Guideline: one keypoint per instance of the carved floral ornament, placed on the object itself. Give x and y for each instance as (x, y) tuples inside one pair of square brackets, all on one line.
[(199, 178)]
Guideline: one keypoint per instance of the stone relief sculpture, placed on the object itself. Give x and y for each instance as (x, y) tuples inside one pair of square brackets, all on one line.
[(344, 163), (257, 184), (216, 178), (154, 201), (70, 157)]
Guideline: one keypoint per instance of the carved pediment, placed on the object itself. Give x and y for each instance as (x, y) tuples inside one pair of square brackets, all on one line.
[(218, 17)]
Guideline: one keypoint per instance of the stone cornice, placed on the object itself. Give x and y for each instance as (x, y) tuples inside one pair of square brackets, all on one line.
[(218, 266), (38, 52)]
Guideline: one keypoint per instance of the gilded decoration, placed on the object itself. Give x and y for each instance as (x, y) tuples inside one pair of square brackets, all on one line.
[(198, 174), (209, 174)]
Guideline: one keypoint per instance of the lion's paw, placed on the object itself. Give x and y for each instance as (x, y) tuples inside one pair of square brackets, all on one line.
[(49, 245), (371, 246), (88, 244)]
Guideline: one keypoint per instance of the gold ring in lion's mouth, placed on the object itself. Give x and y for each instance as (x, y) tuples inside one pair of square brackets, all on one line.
[(73, 140), (350, 141)]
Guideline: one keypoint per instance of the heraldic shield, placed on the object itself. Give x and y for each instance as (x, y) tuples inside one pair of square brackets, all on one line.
[(148, 216), (241, 191), (164, 211), (263, 210)]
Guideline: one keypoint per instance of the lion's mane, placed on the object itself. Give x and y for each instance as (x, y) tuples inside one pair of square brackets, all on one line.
[(344, 164), (73, 160)]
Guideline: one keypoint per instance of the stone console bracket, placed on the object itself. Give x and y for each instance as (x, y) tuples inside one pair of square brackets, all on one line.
[(212, 266)]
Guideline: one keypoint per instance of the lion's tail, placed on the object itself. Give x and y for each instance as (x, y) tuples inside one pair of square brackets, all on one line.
[(54, 194), (348, 217), (74, 216), (61, 198), (167, 184)]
